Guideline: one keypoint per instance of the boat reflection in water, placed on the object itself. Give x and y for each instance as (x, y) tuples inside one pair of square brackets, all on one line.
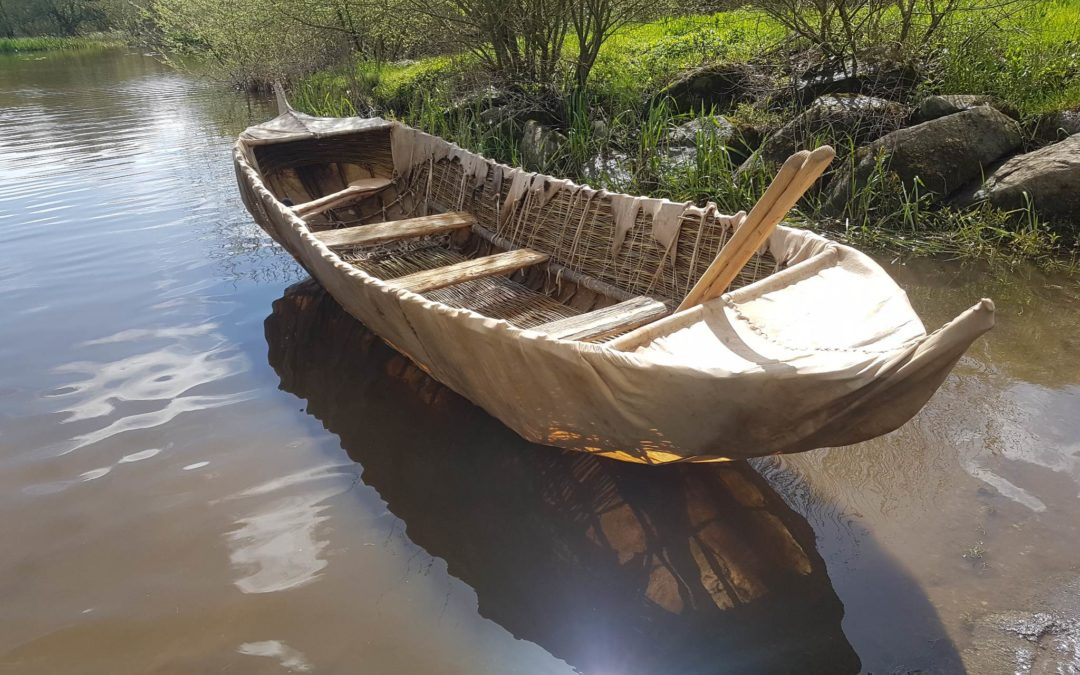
[(612, 567)]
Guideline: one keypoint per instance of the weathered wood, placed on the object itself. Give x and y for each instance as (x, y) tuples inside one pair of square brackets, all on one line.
[(607, 321), (560, 272), (467, 270), (356, 191), (794, 178), (381, 233)]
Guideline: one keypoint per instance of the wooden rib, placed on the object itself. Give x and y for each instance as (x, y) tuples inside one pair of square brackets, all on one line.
[(467, 270), (794, 178), (381, 233), (606, 321), (358, 189)]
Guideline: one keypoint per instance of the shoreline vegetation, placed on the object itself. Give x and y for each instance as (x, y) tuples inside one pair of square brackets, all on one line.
[(31, 45), (956, 121), (624, 133)]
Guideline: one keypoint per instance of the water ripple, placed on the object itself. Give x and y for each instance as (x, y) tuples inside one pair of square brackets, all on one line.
[(277, 548)]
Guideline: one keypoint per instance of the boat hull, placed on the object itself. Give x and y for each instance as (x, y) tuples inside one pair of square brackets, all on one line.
[(641, 405)]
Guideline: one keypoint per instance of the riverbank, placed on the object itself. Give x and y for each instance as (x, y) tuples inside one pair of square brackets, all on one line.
[(24, 45), (703, 107)]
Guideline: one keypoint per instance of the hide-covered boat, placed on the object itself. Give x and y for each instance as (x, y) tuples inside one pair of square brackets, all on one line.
[(634, 328)]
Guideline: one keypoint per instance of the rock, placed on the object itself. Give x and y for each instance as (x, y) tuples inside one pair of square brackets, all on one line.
[(540, 146), (611, 170), (1057, 126), (501, 118), (944, 154), (886, 79), (933, 107), (715, 88), (1050, 176), (715, 126), (1044, 638), (683, 140), (832, 119)]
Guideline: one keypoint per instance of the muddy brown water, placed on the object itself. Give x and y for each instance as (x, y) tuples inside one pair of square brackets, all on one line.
[(205, 467)]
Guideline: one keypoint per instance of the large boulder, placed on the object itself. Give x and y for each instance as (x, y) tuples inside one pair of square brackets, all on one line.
[(832, 119), (943, 154), (718, 87), (933, 107), (540, 146), (1050, 177), (886, 78)]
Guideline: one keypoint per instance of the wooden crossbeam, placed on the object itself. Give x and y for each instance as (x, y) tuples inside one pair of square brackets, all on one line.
[(381, 233), (467, 270), (357, 190), (606, 321)]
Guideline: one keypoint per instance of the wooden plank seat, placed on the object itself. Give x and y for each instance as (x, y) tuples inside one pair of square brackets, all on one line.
[(381, 233), (607, 321), (504, 263), (357, 190), (497, 297)]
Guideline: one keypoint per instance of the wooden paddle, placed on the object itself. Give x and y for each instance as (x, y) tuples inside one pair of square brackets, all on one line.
[(794, 178)]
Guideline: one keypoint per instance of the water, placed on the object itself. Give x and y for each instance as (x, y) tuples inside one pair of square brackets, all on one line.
[(203, 471)]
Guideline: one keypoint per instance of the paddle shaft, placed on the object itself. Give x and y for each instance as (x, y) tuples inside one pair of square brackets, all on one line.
[(794, 178)]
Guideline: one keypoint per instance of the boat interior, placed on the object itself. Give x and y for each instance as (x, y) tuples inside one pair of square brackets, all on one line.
[(537, 252)]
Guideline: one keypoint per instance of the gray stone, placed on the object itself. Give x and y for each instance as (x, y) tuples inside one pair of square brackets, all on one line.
[(933, 107), (1049, 176), (943, 154), (682, 142), (1057, 126), (540, 146), (883, 78), (718, 88), (832, 119), (715, 126), (610, 170), (1044, 638), (497, 116)]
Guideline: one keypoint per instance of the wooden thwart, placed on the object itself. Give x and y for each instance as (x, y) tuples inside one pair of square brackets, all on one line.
[(607, 321), (381, 233), (467, 270), (357, 190)]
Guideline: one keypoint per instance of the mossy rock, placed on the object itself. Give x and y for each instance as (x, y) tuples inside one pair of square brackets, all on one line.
[(940, 156)]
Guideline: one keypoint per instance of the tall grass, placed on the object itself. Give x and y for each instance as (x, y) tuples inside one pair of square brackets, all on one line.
[(47, 44), (1032, 64), (614, 141)]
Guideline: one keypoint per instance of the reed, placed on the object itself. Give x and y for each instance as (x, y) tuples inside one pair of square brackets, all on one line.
[(47, 44), (629, 152)]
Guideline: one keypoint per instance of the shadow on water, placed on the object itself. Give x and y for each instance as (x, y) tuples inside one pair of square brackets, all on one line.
[(612, 567)]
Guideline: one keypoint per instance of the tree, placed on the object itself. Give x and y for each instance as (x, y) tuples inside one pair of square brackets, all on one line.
[(594, 21), (525, 40), (52, 17), (847, 31)]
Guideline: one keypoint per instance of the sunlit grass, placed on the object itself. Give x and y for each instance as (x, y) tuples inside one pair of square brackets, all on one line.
[(1035, 67), (46, 44), (644, 57), (1033, 64)]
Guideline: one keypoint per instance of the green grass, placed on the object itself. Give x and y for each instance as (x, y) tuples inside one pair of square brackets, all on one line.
[(48, 44), (642, 58), (1033, 64)]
